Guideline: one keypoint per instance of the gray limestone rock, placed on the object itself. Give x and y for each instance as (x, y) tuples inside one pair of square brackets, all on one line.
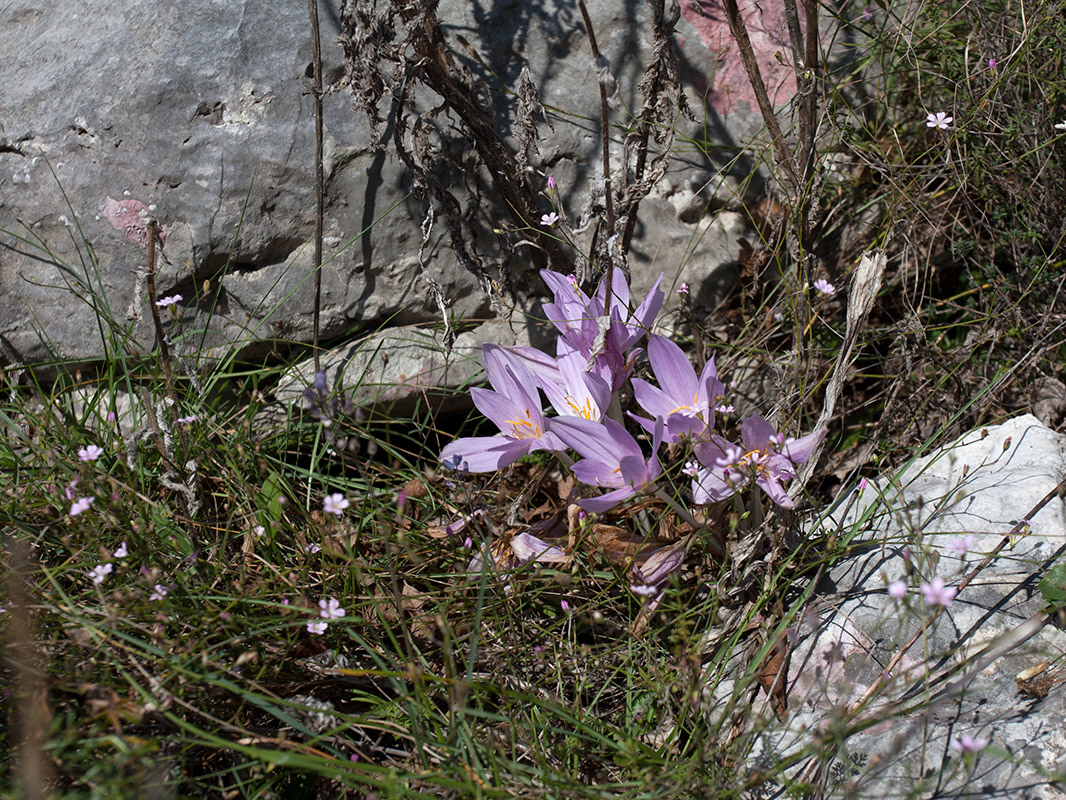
[(202, 115), (938, 518)]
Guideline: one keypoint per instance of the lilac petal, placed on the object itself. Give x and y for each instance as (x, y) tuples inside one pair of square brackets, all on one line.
[(648, 310), (485, 453), (528, 547), (673, 371), (607, 442), (755, 432), (799, 450), (619, 299), (652, 399), (542, 365), (596, 473), (514, 419), (713, 452), (509, 376), (775, 491), (662, 563), (605, 502), (708, 487)]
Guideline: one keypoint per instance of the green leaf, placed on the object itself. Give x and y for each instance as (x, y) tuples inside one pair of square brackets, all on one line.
[(1053, 585)]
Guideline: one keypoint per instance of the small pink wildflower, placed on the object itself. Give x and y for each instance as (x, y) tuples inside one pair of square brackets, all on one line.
[(312, 548), (644, 590), (825, 287), (69, 490), (163, 302), (962, 544), (897, 589), (335, 504), (90, 453), (549, 220), (937, 594), (551, 184), (939, 120), (111, 417), (992, 63), (80, 505), (863, 483), (683, 289), (122, 551), (330, 608), (100, 571), (186, 420), (160, 592), (317, 628), (565, 606), (969, 744)]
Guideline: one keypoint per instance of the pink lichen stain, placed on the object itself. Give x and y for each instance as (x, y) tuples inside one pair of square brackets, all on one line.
[(131, 217), (768, 31)]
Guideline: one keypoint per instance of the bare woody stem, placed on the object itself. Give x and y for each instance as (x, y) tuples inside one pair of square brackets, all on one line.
[(152, 228), (320, 188), (751, 66)]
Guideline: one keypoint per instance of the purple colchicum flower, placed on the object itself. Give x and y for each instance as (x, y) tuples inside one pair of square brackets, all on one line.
[(685, 403), (611, 458), (602, 332), (525, 548), (767, 457), (514, 405), (574, 392)]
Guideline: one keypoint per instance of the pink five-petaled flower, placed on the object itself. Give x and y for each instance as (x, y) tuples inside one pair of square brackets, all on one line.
[(80, 505), (683, 289), (549, 220), (686, 403), (939, 120), (767, 457), (897, 589), (160, 592), (163, 302), (825, 287), (611, 458), (335, 504), (99, 572), (90, 453), (514, 406), (962, 544), (937, 594), (969, 744), (317, 628), (330, 608), (122, 551)]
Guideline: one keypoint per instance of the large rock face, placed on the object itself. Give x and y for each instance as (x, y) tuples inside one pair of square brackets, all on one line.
[(952, 717), (203, 113)]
